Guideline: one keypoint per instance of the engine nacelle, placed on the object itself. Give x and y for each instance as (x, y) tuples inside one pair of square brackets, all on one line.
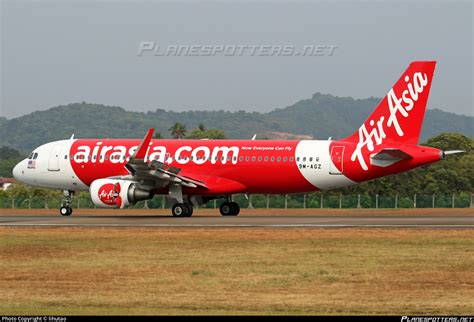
[(110, 193)]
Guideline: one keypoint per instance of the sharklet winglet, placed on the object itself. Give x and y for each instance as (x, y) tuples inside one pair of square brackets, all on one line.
[(143, 147)]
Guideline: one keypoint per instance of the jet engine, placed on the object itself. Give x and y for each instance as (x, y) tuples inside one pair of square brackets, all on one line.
[(110, 193)]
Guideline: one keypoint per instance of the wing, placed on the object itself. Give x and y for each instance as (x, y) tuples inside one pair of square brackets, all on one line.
[(157, 174)]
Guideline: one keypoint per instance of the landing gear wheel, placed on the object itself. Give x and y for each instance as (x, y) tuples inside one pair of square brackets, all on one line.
[(182, 210), (225, 209), (190, 209), (229, 209), (65, 211), (235, 208)]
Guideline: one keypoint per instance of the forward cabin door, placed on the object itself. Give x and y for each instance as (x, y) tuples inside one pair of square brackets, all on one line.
[(337, 157), (53, 163)]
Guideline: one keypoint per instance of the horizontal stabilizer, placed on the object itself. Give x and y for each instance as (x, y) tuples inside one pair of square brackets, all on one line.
[(388, 156)]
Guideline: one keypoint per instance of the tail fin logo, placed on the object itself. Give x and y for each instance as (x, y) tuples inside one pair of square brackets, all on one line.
[(396, 106)]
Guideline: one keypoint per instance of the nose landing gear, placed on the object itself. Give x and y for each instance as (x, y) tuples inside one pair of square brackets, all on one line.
[(66, 209)]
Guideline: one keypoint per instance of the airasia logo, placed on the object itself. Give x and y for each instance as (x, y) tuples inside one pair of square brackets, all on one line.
[(396, 106), (116, 154), (109, 194)]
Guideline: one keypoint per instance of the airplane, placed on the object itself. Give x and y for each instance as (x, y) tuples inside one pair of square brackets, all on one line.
[(120, 172)]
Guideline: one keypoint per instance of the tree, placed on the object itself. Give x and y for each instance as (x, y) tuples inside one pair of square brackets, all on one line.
[(178, 130), (6, 168), (212, 134), (7, 153), (451, 141), (8, 159), (157, 135)]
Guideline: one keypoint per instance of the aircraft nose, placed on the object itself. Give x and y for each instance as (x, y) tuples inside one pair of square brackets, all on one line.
[(17, 171)]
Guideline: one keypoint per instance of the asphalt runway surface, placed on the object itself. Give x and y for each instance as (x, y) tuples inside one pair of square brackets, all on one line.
[(451, 221)]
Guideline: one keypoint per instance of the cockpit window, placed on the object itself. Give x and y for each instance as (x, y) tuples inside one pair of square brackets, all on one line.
[(33, 156)]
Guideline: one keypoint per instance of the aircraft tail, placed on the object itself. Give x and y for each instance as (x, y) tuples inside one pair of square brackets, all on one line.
[(399, 116)]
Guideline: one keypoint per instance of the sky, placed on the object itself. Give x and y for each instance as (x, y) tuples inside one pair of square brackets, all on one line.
[(60, 52)]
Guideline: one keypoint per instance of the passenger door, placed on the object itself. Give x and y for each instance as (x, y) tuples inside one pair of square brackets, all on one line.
[(53, 163)]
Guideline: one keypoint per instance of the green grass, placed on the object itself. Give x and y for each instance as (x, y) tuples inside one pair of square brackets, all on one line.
[(236, 271)]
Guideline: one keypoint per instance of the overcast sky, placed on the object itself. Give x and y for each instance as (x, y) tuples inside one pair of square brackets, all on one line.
[(59, 52)]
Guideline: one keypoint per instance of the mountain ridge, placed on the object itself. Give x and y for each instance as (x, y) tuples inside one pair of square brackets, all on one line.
[(321, 116)]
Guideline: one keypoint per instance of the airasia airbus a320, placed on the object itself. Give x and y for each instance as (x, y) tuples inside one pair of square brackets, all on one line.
[(120, 172)]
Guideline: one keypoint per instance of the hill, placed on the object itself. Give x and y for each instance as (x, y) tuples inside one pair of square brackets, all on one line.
[(321, 116)]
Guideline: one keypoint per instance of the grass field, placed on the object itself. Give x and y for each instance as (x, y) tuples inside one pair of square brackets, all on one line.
[(236, 271)]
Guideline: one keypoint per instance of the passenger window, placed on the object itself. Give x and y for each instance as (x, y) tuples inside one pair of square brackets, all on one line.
[(247, 159), (311, 159), (297, 159), (279, 159), (253, 159), (259, 159), (304, 159), (285, 159), (241, 158), (291, 159), (272, 159), (235, 158), (266, 159)]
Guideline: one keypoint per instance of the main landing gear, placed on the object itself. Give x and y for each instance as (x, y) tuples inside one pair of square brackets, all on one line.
[(183, 205), (66, 209), (229, 208), (186, 209), (182, 210)]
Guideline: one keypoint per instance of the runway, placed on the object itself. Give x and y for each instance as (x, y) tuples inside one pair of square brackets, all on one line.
[(241, 221)]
